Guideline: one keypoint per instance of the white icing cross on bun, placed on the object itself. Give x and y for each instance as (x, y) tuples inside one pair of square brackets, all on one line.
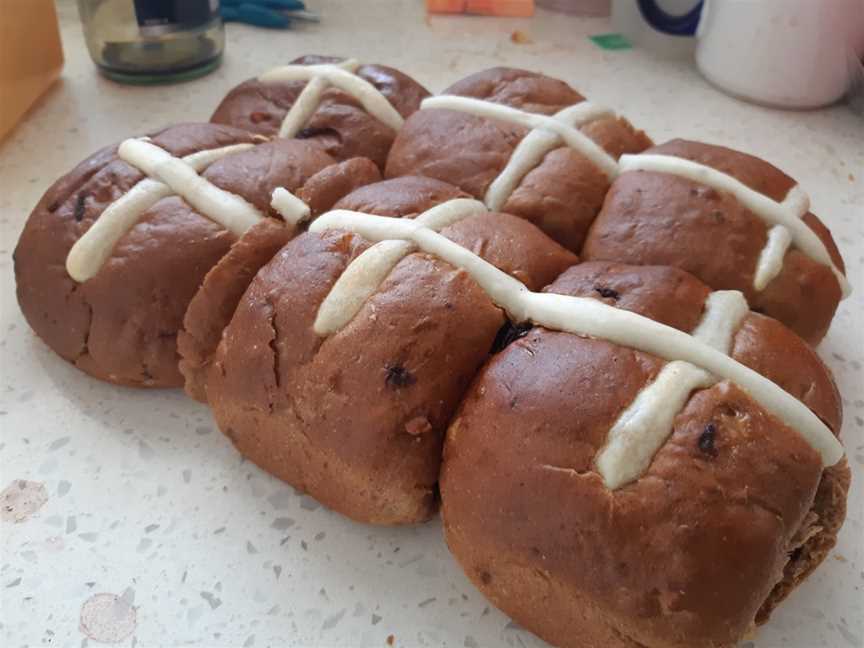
[(704, 351), (551, 133), (364, 275), (645, 425), (784, 217), (341, 75), (168, 175), (534, 147)]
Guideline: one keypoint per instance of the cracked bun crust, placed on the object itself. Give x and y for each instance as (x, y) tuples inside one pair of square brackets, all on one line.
[(732, 510), (642, 207), (357, 418), (214, 303), (561, 195), (340, 125), (121, 325)]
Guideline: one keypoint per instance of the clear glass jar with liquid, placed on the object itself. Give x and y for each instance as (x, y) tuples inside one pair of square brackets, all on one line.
[(153, 41)]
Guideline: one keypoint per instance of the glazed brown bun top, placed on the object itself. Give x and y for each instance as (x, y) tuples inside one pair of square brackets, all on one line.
[(561, 195), (121, 324), (518, 88), (512, 245), (684, 555), (660, 218), (401, 197), (340, 124), (677, 299)]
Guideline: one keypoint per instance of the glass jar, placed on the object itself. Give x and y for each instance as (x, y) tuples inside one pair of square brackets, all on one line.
[(153, 41)]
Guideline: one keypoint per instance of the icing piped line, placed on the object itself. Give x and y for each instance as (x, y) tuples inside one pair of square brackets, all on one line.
[(724, 312), (91, 251), (227, 209), (363, 276), (771, 258), (289, 206), (588, 317), (449, 213), (787, 213), (310, 97), (357, 283), (304, 107), (571, 136), (583, 316), (319, 77), (643, 427), (533, 148)]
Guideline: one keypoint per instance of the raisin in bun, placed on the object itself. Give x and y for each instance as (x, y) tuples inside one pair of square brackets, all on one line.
[(556, 182), (113, 253), (587, 544), (336, 117), (723, 234), (352, 407)]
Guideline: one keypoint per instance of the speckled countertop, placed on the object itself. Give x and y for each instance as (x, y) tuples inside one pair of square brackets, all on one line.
[(138, 521)]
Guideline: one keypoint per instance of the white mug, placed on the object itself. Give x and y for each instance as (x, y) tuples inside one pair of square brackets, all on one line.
[(785, 53)]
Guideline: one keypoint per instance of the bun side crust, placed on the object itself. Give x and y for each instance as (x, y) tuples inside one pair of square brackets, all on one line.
[(214, 304), (816, 538), (329, 185), (558, 613), (642, 208)]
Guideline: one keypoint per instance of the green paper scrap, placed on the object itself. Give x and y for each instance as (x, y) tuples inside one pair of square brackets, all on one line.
[(611, 41)]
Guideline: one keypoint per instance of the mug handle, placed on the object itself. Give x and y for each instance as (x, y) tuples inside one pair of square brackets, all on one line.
[(659, 19)]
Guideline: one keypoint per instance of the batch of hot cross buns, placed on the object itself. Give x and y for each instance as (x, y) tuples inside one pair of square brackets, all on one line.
[(594, 354)]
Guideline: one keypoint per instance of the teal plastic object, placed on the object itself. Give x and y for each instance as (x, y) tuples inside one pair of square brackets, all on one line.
[(262, 13)]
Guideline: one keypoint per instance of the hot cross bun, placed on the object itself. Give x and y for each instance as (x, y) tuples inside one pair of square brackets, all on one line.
[(522, 142), (113, 253), (345, 360), (733, 220), (351, 109), (589, 539)]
